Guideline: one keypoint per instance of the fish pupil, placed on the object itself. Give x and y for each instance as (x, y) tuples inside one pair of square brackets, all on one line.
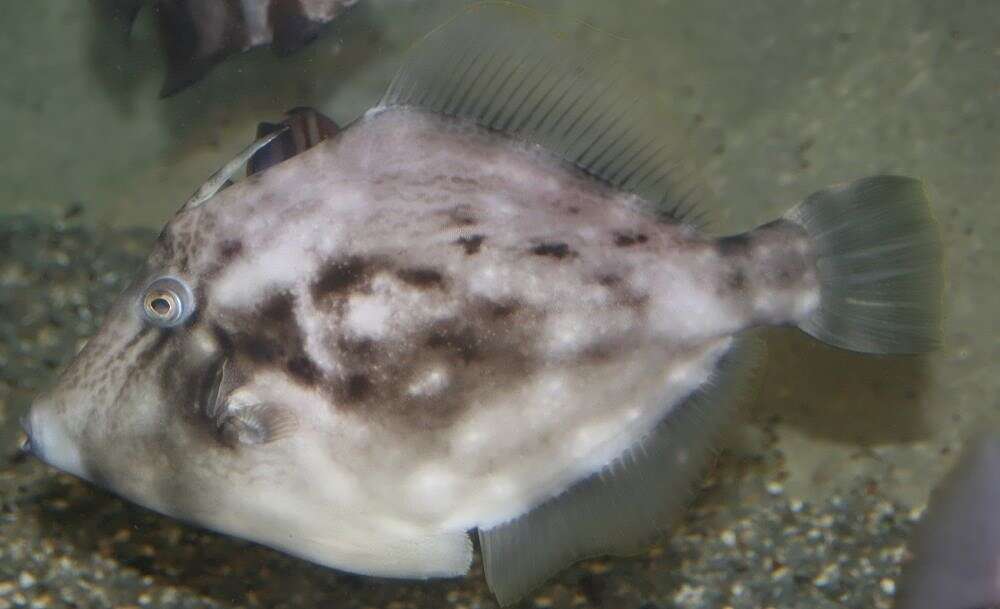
[(161, 306)]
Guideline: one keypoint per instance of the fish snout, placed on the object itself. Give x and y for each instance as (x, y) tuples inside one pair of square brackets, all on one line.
[(26, 448), (49, 440)]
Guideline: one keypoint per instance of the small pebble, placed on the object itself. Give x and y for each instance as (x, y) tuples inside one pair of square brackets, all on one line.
[(543, 601), (43, 601), (26, 580), (728, 538)]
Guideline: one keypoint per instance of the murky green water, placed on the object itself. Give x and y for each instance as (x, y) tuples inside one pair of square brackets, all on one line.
[(766, 101)]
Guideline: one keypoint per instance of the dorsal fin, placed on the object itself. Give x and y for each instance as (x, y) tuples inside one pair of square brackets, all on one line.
[(306, 127), (622, 507), (495, 64)]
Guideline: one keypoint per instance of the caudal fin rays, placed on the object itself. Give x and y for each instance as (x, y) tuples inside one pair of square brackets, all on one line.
[(878, 256)]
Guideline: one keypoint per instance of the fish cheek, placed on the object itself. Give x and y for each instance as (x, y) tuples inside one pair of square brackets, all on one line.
[(188, 381)]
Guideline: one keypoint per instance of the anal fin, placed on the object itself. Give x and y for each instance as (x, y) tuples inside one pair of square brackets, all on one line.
[(629, 502)]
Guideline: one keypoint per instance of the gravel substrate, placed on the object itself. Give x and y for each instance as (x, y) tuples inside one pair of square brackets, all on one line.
[(64, 543)]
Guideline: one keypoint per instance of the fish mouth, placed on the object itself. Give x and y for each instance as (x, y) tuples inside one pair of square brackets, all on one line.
[(47, 439), (26, 447)]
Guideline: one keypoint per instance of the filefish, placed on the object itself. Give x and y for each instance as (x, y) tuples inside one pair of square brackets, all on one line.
[(478, 309), (196, 35), (956, 546)]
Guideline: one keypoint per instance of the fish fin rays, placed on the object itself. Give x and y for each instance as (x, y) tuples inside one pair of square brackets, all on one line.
[(879, 263), (495, 65), (366, 552), (629, 502)]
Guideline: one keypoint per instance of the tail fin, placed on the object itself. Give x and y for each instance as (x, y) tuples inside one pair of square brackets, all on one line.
[(879, 260)]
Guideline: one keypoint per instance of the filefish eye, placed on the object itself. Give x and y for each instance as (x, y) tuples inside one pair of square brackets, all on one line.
[(167, 302)]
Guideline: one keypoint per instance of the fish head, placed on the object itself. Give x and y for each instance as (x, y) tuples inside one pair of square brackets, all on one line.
[(163, 406)]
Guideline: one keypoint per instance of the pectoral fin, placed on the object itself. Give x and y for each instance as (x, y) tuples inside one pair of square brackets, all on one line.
[(255, 423)]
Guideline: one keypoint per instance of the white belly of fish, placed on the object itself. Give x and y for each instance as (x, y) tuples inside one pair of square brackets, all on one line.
[(532, 442)]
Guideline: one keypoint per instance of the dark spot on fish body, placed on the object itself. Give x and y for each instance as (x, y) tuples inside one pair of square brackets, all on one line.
[(462, 216), (501, 310), (304, 370), (463, 181), (574, 210), (258, 348), (628, 239), (269, 336), (471, 244), (457, 340), (223, 339), (361, 347), (421, 277), (357, 387), (557, 250), (340, 277), (609, 281), (229, 249), (736, 279), (279, 308)]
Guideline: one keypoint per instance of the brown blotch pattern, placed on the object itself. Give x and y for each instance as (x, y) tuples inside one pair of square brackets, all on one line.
[(422, 277), (462, 216), (357, 387), (303, 369), (736, 279), (557, 250), (628, 239), (471, 244), (456, 340), (485, 346), (272, 337), (230, 249), (341, 277), (609, 281)]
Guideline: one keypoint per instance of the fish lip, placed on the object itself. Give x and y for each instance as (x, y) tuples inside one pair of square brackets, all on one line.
[(26, 446)]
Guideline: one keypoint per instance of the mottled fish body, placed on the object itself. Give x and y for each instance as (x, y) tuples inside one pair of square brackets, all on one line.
[(460, 312)]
